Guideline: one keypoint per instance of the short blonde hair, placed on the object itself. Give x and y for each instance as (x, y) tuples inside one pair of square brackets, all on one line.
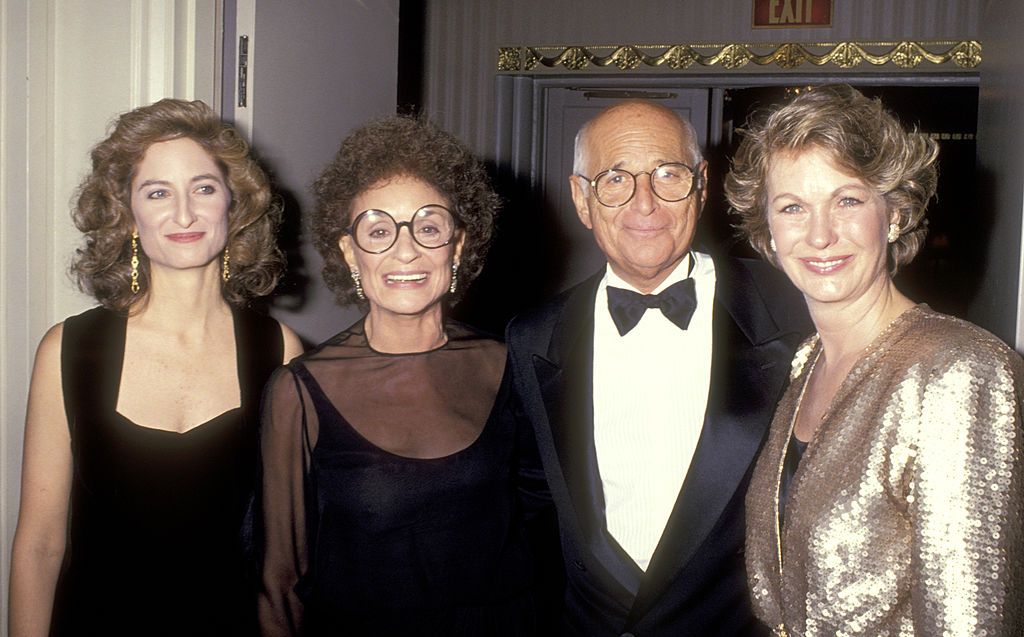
[(862, 137)]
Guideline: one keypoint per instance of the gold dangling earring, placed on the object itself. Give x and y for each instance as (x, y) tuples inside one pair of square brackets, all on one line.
[(894, 233), (135, 262), (225, 270), (359, 285), (455, 277)]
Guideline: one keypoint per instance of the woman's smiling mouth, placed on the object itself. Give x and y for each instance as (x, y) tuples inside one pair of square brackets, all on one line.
[(185, 237), (825, 266), (413, 277)]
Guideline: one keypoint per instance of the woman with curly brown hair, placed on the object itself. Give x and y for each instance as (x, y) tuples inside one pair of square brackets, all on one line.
[(141, 438), (887, 498), (389, 486)]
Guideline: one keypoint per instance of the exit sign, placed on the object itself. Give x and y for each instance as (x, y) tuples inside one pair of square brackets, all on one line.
[(792, 13)]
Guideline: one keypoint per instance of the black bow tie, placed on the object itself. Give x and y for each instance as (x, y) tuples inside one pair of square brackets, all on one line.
[(677, 302)]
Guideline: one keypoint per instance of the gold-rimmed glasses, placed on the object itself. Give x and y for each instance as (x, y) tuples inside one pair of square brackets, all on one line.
[(671, 181)]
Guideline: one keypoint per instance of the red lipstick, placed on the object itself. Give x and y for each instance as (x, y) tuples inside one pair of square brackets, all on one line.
[(185, 237)]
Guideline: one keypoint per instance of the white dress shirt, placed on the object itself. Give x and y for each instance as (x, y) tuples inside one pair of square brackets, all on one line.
[(650, 394)]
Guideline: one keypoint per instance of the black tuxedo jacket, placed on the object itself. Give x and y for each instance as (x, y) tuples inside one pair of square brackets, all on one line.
[(695, 583)]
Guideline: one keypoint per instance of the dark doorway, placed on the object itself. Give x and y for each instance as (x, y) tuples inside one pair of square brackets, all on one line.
[(521, 271)]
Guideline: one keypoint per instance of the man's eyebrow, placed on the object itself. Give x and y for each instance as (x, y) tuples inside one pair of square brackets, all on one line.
[(619, 164)]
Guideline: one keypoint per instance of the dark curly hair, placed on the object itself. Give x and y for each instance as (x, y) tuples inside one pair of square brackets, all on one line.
[(103, 209), (402, 146), (862, 138)]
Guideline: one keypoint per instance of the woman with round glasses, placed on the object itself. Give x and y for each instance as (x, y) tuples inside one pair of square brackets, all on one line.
[(389, 489)]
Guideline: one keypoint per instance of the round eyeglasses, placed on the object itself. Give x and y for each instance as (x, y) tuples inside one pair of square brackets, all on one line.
[(375, 231), (672, 181)]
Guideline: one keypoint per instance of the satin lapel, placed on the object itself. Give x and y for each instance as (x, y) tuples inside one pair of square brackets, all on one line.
[(746, 377), (565, 377)]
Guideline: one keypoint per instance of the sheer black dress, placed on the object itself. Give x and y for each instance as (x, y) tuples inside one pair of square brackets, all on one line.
[(390, 493), (156, 540)]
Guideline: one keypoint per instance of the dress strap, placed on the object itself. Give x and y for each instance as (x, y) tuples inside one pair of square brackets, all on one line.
[(326, 411), (316, 393), (259, 350), (91, 359)]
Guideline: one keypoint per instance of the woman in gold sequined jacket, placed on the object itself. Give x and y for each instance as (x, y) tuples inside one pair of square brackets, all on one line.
[(888, 497)]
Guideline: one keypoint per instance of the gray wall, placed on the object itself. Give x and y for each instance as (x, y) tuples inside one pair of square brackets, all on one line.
[(463, 36), (1001, 170), (319, 72)]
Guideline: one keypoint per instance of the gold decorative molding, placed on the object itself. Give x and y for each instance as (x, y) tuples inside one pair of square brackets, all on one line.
[(965, 54)]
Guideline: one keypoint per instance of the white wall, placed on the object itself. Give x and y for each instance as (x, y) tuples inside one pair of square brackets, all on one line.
[(68, 67)]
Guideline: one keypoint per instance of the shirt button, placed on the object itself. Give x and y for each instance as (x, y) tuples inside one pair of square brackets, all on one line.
[(581, 566)]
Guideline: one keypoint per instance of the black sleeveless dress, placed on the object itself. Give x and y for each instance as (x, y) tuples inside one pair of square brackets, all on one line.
[(156, 542), (375, 542)]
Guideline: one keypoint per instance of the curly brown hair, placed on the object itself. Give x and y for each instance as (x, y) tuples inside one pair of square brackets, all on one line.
[(402, 146), (103, 209), (862, 137)]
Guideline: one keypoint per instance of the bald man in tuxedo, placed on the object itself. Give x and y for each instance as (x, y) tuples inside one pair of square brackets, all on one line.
[(650, 387)]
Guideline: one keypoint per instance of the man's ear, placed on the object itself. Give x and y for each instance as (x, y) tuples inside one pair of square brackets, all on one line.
[(579, 199)]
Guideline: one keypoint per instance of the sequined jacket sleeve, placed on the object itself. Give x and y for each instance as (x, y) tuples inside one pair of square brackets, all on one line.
[(905, 514)]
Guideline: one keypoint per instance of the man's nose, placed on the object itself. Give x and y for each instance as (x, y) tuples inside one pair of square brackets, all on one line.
[(644, 200)]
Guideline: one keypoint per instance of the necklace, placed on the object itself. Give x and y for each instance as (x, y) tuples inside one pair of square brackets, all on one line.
[(799, 361)]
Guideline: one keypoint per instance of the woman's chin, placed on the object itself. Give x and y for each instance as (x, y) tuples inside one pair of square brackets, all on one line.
[(407, 305)]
